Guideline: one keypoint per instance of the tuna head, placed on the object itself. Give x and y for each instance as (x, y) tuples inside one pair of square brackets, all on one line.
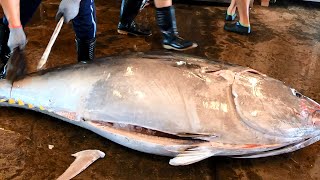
[(274, 109)]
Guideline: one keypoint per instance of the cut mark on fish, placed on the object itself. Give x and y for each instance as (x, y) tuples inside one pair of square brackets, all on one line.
[(254, 113), (253, 81), (207, 71), (117, 93), (252, 71), (228, 75), (129, 71), (68, 115), (243, 146), (201, 77), (181, 63), (187, 65), (215, 105), (139, 94), (108, 76), (224, 107)]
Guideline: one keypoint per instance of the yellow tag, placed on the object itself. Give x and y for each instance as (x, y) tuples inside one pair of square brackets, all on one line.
[(30, 106), (12, 101), (21, 103), (41, 108)]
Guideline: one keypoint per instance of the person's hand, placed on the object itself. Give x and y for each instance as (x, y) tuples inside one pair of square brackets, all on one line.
[(17, 38), (69, 9)]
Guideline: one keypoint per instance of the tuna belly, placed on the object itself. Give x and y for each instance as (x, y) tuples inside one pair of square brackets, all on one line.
[(140, 138)]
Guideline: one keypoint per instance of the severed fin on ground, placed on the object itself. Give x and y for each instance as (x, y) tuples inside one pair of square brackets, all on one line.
[(82, 161), (16, 66), (192, 155)]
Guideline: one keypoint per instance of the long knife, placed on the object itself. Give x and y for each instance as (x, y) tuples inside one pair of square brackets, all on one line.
[(53, 38)]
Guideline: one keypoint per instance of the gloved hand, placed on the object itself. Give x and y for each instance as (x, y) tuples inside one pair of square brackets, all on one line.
[(17, 38), (69, 9)]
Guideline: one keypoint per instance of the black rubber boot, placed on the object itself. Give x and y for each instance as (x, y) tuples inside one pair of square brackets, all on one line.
[(167, 23), (129, 11), (3, 71), (4, 49), (85, 49)]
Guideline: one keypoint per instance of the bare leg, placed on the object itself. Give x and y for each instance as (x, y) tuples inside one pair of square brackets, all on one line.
[(11, 9), (243, 9), (162, 3), (232, 7), (243, 26)]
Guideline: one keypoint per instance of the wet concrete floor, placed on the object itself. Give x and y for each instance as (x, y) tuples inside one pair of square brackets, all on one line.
[(285, 44)]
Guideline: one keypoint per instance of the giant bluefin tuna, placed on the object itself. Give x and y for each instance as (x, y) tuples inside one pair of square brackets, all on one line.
[(173, 105)]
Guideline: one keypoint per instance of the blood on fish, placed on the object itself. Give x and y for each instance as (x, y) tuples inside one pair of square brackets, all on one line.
[(251, 145)]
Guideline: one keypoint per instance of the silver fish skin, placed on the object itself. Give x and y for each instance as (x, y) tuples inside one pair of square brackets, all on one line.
[(174, 105)]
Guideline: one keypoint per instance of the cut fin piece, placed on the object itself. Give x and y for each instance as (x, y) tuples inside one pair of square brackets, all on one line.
[(82, 161), (193, 155)]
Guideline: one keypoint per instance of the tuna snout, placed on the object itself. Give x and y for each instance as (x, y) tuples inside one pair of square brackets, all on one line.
[(316, 118)]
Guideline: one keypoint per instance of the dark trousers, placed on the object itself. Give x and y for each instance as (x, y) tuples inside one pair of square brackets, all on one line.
[(84, 24)]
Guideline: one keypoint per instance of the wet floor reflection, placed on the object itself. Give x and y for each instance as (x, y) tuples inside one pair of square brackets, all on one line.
[(285, 44)]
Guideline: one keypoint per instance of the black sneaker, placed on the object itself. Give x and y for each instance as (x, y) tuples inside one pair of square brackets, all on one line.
[(237, 28), (175, 42)]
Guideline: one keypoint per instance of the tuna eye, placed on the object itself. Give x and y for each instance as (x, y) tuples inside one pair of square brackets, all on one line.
[(299, 95), (296, 93)]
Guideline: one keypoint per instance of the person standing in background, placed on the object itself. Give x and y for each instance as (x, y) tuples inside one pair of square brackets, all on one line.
[(243, 25), (166, 20)]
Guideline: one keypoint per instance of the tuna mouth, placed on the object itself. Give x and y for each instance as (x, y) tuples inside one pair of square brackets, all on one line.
[(284, 149)]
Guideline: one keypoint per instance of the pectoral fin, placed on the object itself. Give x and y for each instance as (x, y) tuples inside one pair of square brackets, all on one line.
[(82, 161), (191, 156), (205, 137)]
